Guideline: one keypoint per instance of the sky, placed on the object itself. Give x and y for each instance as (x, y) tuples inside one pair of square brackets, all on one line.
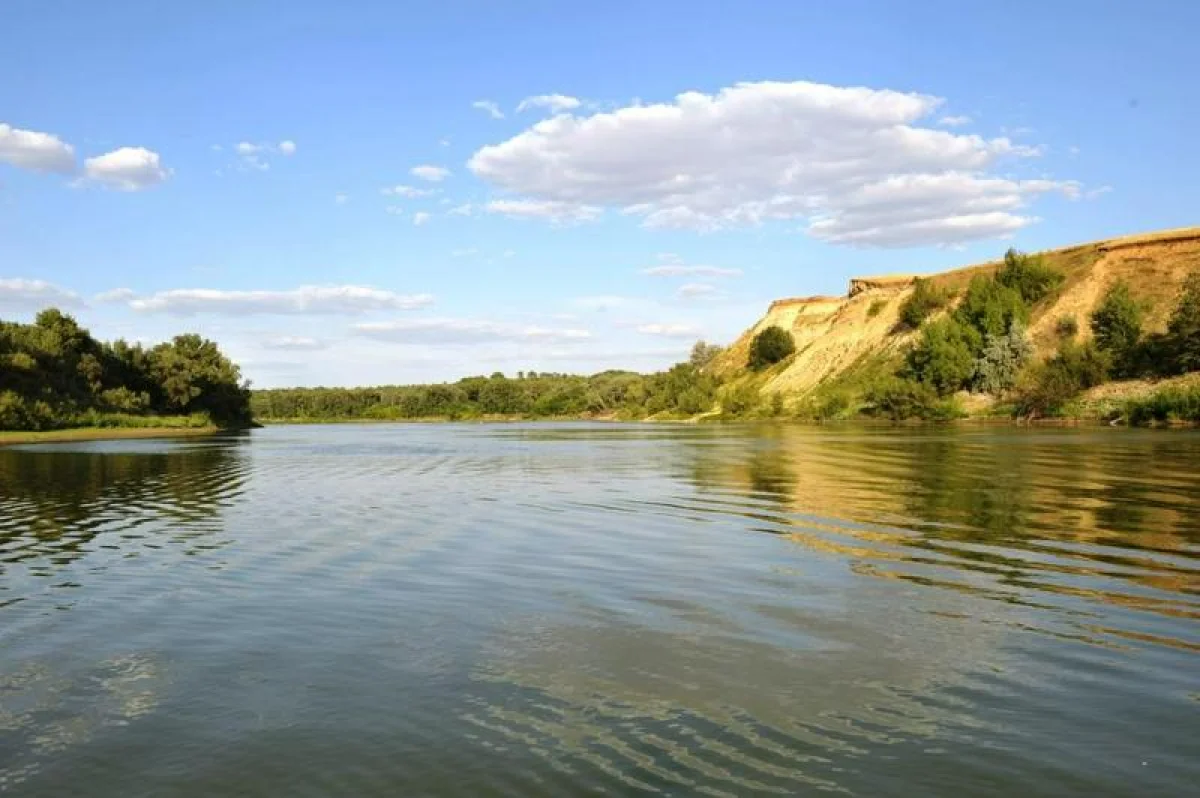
[(364, 193)]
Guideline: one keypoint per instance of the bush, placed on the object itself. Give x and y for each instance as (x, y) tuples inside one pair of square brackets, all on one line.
[(925, 299), (1003, 357), (1183, 330), (1066, 327), (703, 353), (944, 357), (992, 307), (740, 400), (770, 346), (1029, 276), (900, 399), (1165, 405), (1117, 327), (1047, 388), (876, 307)]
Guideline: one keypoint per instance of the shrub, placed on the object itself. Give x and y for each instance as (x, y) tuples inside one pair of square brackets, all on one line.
[(1183, 330), (944, 357), (703, 353), (770, 346), (1029, 276), (925, 299), (1003, 357), (123, 400), (900, 399), (1046, 389), (1117, 326), (1066, 327), (992, 307), (740, 400), (1165, 405), (876, 307)]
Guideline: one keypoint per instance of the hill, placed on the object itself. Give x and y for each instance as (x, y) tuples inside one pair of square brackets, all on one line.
[(843, 342)]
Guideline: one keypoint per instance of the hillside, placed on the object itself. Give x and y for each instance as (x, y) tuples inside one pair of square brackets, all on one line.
[(841, 338)]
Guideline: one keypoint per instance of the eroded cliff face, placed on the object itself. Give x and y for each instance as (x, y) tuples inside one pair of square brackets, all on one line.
[(832, 334)]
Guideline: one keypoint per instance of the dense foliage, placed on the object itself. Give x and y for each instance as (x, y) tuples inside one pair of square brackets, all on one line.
[(1117, 328), (925, 299), (1049, 386), (54, 374), (769, 347), (1183, 331), (682, 390), (1029, 276)]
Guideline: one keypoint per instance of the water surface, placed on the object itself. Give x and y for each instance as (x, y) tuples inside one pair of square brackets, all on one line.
[(557, 610)]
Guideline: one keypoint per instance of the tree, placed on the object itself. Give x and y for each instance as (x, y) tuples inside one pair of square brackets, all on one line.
[(1003, 357), (1028, 275), (195, 377), (703, 354), (1117, 327), (992, 307), (1183, 330), (770, 346), (1045, 389), (925, 299), (944, 357)]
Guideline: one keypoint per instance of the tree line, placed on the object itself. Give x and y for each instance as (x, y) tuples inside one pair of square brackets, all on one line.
[(54, 374), (683, 390)]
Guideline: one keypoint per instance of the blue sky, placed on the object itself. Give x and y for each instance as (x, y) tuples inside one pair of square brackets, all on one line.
[(254, 172)]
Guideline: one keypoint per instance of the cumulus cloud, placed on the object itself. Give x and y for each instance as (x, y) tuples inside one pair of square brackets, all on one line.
[(466, 209), (287, 147), (489, 107), (420, 218), (550, 210), (254, 155), (696, 291), (115, 295), (463, 331), (126, 169), (341, 198), (41, 152), (434, 174), (757, 152), (672, 266), (20, 294), (551, 102), (954, 121), (308, 299), (410, 192), (668, 330), (293, 343)]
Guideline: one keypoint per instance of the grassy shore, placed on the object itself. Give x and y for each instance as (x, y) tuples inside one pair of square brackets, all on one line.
[(13, 437)]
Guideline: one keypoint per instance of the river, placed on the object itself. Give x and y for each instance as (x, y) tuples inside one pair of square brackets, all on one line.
[(575, 609)]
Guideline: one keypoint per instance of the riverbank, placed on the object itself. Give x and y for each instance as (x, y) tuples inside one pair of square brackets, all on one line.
[(72, 434)]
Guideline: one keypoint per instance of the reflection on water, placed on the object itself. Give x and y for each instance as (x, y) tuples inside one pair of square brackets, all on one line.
[(582, 609)]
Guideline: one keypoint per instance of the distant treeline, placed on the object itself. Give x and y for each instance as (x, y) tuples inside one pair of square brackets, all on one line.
[(54, 374), (681, 391)]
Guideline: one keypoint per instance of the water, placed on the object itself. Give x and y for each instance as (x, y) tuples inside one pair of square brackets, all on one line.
[(561, 610)]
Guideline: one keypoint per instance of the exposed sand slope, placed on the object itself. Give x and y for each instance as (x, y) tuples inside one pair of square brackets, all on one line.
[(833, 333)]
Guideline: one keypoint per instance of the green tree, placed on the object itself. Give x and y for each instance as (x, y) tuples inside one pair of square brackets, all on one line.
[(925, 299), (195, 377), (1003, 357), (1029, 276), (1117, 327), (944, 357), (1048, 387), (770, 346), (703, 354), (1183, 330), (991, 307)]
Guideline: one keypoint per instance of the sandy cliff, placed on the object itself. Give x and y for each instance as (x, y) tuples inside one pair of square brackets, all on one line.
[(832, 334)]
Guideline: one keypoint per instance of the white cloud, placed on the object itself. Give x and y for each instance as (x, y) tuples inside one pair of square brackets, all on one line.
[(508, 253), (126, 169), (696, 291), (434, 174), (115, 295), (672, 266), (395, 210), (406, 191), (490, 107), (287, 147), (552, 102), (246, 148), (463, 253), (549, 210), (341, 198), (463, 331), (668, 330), (757, 152), (293, 343), (308, 299), (41, 152), (20, 294), (466, 209), (444, 142), (253, 155), (954, 121), (1097, 192), (420, 218)]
